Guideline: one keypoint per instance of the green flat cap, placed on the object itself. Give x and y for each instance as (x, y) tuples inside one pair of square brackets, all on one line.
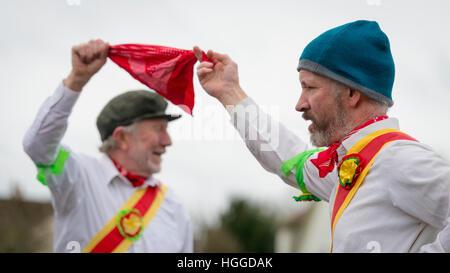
[(129, 107)]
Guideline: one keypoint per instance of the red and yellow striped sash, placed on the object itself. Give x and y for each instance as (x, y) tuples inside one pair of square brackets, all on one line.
[(367, 150), (128, 224)]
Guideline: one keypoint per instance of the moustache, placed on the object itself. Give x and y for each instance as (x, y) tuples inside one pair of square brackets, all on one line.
[(306, 116)]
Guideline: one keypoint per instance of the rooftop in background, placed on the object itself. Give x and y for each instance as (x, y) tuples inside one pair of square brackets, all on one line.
[(26, 226)]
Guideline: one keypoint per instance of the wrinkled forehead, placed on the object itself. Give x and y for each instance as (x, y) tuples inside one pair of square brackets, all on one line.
[(309, 78)]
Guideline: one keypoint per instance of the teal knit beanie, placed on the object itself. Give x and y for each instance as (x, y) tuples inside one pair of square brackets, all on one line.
[(356, 54)]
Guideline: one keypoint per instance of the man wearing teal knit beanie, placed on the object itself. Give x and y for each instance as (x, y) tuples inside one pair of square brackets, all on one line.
[(387, 191)]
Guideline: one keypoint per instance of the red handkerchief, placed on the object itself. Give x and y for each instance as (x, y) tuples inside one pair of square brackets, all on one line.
[(168, 71)]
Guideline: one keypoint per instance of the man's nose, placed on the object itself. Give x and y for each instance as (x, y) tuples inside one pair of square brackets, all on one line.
[(165, 139), (302, 104)]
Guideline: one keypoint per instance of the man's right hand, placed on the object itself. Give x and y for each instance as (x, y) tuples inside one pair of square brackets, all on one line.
[(219, 78), (87, 59)]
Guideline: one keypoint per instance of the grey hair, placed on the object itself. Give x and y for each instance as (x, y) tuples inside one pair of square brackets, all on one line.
[(110, 143), (381, 107)]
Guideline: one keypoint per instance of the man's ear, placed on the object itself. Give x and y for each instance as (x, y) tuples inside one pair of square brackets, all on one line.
[(121, 138), (353, 97)]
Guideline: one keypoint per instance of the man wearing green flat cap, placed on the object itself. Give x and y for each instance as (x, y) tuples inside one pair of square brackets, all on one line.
[(113, 203)]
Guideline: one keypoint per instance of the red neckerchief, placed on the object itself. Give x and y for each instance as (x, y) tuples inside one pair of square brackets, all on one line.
[(136, 180), (326, 159)]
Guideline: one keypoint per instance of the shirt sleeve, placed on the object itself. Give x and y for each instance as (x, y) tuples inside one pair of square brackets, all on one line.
[(184, 224), (188, 245), (42, 143), (442, 242), (271, 143), (320, 187), (42, 140), (420, 186)]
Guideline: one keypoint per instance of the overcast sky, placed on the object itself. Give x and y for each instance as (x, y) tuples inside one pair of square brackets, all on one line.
[(265, 38)]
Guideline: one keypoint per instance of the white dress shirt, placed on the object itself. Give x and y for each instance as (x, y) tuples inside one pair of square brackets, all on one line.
[(90, 191), (403, 204)]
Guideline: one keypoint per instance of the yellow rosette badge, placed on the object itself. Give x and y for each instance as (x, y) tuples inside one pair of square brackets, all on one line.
[(130, 223), (349, 170)]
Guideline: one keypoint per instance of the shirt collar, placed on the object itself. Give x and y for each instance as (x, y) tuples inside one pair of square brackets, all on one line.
[(352, 140), (111, 172)]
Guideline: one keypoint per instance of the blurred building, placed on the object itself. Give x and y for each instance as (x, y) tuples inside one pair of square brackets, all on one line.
[(305, 231), (26, 226)]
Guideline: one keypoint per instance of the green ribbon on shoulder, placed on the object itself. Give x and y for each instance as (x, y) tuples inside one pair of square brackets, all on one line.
[(55, 168), (298, 162)]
